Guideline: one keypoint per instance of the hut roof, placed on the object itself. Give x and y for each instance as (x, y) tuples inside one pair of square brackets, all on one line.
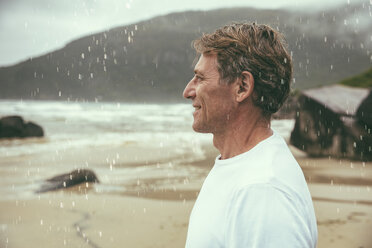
[(340, 99)]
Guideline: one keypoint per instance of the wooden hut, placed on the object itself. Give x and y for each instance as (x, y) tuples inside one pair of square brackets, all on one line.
[(333, 121)]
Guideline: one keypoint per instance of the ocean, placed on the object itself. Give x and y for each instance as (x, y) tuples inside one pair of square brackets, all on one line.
[(128, 146)]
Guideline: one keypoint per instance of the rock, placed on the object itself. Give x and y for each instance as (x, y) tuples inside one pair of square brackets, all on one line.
[(327, 123), (16, 127), (288, 110), (364, 112), (68, 180)]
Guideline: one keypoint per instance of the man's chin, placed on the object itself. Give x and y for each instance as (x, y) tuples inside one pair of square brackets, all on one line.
[(199, 128)]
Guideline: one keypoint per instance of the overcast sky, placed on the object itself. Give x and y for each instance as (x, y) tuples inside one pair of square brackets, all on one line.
[(31, 28)]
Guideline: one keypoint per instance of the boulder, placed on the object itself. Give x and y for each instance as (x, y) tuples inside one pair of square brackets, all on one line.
[(334, 121), (70, 179), (364, 112), (16, 127)]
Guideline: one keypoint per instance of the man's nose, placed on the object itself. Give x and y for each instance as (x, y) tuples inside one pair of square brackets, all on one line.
[(189, 91)]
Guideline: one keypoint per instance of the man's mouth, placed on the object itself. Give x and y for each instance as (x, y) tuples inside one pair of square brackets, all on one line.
[(196, 107)]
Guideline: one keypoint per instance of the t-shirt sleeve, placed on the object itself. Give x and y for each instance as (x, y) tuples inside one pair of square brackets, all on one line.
[(264, 216)]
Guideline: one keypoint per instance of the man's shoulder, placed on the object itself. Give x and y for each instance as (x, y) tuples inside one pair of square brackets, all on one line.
[(271, 161), (272, 148), (268, 186)]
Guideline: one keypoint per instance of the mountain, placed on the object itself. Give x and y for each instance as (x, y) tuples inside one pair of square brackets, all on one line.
[(151, 61)]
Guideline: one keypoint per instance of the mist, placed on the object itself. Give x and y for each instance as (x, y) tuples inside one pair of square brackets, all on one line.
[(34, 28)]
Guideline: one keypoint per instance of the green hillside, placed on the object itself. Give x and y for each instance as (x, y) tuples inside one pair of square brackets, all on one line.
[(363, 80)]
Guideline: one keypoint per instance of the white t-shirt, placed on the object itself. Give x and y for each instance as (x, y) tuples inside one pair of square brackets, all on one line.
[(256, 199)]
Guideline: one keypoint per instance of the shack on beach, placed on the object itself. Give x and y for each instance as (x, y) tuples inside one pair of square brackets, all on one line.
[(334, 121)]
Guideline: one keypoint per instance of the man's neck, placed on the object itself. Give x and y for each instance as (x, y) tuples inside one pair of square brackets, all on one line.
[(241, 135)]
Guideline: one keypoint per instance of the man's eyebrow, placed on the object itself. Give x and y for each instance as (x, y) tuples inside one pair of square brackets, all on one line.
[(198, 72)]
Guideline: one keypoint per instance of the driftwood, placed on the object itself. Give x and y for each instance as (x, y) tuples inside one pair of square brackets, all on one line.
[(327, 123)]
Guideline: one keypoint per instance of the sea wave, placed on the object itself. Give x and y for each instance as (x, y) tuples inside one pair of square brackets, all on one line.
[(122, 143)]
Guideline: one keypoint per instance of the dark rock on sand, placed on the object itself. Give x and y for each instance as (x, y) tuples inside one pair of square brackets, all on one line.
[(68, 180), (16, 127)]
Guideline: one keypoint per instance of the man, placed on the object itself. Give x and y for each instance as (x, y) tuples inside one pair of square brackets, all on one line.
[(256, 194)]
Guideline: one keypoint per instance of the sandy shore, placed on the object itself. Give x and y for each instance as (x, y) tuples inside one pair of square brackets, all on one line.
[(341, 191), (71, 220)]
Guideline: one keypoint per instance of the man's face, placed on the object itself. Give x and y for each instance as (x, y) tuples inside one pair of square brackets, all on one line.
[(213, 101)]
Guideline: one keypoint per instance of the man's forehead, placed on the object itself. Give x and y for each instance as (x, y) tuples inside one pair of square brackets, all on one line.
[(206, 62)]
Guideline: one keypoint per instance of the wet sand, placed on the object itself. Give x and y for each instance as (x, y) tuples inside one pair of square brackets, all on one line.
[(342, 196), (148, 217), (71, 220)]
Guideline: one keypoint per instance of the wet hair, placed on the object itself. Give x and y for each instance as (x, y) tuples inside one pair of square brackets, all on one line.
[(255, 48)]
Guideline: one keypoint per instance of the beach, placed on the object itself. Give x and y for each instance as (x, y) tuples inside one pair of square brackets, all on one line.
[(82, 217), (149, 180), (342, 197)]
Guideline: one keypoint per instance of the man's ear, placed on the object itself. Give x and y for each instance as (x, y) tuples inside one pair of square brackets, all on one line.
[(245, 86)]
